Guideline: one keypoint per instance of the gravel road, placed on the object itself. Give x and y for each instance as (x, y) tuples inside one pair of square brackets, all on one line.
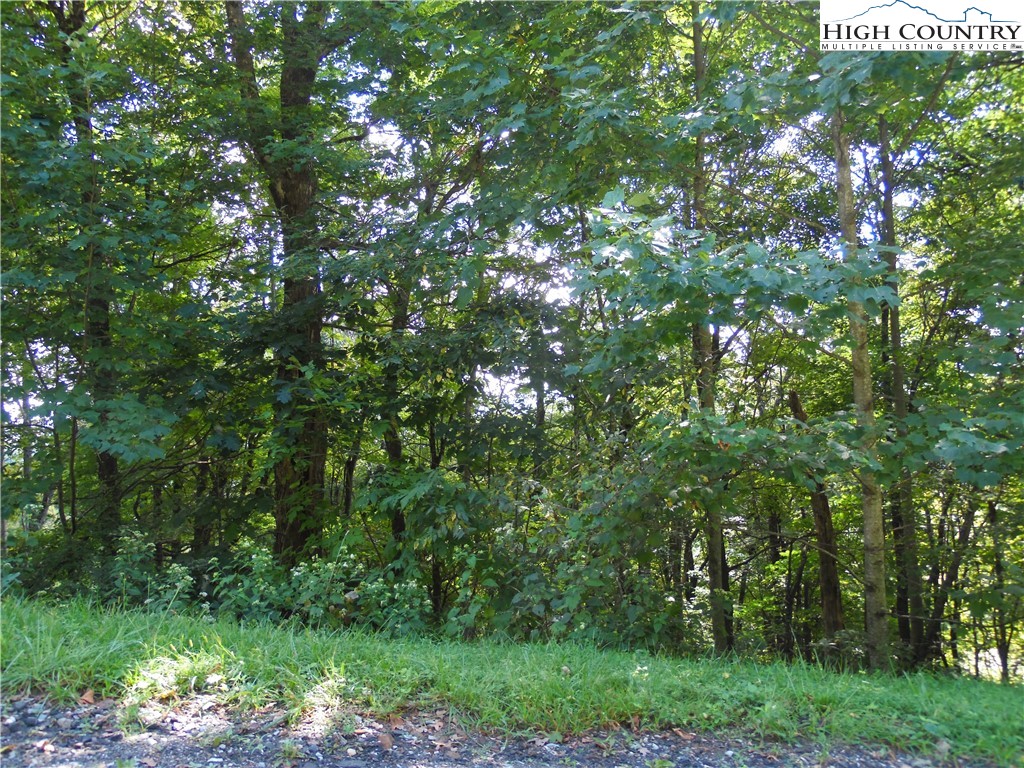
[(198, 733)]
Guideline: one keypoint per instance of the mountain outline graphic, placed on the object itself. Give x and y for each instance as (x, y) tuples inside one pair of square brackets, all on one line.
[(925, 10)]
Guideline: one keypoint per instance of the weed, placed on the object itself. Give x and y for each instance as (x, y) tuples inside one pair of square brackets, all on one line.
[(214, 740), (129, 719), (345, 724), (290, 750)]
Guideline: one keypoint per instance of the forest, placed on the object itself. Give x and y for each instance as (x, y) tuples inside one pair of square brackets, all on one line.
[(635, 324)]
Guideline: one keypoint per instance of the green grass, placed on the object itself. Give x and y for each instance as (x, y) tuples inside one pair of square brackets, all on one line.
[(64, 650)]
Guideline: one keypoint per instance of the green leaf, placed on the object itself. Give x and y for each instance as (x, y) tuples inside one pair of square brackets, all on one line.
[(613, 198)]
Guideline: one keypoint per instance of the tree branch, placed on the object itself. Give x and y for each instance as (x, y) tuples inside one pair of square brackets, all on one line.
[(912, 131), (803, 48), (248, 87)]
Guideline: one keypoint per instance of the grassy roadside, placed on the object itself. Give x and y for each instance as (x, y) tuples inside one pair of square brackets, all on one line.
[(547, 688)]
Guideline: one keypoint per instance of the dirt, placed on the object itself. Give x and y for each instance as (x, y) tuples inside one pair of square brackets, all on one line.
[(199, 733)]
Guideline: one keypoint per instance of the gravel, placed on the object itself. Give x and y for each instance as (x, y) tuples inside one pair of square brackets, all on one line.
[(199, 733)]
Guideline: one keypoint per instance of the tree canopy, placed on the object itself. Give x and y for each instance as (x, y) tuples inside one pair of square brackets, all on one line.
[(634, 323)]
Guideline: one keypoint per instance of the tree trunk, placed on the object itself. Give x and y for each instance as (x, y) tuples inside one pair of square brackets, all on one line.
[(3, 518), (465, 468), (299, 473), (73, 476), (97, 339), (301, 423), (948, 583), (901, 495), (705, 363), (674, 559), (58, 454), (26, 435), (794, 587), (539, 416), (349, 474), (689, 564), (828, 552), (876, 613), (1003, 624), (393, 447)]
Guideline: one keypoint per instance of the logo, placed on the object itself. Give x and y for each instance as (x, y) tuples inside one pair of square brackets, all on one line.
[(922, 25)]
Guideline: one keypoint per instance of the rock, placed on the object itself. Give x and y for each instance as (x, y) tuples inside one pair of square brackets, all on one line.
[(65, 722)]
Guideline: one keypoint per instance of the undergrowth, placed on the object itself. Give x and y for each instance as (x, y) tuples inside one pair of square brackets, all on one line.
[(564, 688)]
